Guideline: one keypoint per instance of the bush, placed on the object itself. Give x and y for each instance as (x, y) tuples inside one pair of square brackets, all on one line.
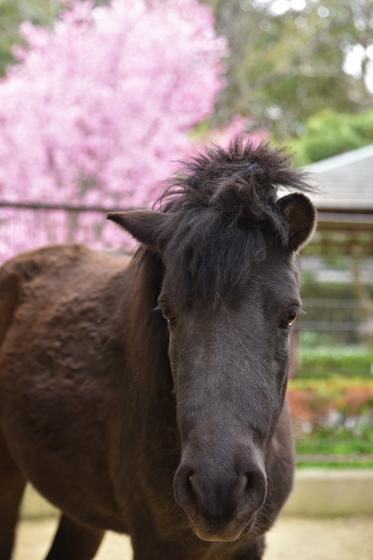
[(341, 441), (333, 421), (325, 361), (329, 133), (341, 447)]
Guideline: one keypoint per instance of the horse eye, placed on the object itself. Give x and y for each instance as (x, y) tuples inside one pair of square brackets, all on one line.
[(171, 321), (289, 320), (167, 315)]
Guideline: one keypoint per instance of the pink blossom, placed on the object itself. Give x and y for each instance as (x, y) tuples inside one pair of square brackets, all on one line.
[(98, 109)]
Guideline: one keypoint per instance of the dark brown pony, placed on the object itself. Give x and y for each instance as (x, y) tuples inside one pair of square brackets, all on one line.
[(149, 398)]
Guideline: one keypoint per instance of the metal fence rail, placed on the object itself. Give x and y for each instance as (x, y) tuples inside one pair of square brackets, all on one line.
[(28, 225)]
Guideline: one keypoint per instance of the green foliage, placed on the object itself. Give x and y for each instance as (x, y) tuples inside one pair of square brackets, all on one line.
[(282, 69), (12, 13), (340, 441), (342, 445), (330, 387), (340, 432), (335, 445), (327, 361), (329, 133), (330, 464), (285, 68)]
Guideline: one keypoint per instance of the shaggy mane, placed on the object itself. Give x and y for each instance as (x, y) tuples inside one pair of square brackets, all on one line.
[(223, 217)]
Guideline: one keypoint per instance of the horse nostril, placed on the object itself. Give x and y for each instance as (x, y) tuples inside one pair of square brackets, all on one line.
[(250, 481), (185, 492), (254, 489), (191, 484)]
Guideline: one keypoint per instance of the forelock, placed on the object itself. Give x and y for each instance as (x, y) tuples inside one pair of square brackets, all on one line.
[(223, 218)]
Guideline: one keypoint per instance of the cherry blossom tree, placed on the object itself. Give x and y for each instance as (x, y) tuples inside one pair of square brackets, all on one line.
[(97, 111)]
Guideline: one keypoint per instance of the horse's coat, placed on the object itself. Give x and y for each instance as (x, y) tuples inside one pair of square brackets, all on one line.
[(101, 404)]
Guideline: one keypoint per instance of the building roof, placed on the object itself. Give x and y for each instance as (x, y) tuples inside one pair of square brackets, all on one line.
[(345, 181)]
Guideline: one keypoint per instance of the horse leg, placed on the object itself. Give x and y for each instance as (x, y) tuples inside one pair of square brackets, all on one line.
[(74, 541), (166, 551), (12, 485), (147, 545)]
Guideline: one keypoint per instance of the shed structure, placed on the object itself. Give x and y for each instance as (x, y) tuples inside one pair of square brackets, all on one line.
[(345, 200)]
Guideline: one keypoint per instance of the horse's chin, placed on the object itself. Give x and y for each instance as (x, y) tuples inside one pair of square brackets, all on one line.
[(230, 533), (217, 538)]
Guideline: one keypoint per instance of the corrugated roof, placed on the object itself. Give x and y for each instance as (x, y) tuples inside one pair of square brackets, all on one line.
[(345, 181)]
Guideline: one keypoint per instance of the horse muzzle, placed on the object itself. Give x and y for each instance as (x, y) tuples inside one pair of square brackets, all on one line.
[(220, 498)]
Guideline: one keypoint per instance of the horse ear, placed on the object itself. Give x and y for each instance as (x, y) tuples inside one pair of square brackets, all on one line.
[(144, 225), (300, 215)]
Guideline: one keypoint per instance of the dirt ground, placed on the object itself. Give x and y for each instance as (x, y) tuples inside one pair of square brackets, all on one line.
[(291, 539)]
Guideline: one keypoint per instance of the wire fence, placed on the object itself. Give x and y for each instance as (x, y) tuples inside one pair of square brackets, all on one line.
[(337, 319)]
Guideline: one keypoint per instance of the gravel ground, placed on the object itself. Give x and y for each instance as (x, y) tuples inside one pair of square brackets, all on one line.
[(291, 539)]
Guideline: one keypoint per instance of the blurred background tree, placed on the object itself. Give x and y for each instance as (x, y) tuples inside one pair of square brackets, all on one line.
[(12, 13), (290, 59), (97, 108), (99, 103), (329, 132)]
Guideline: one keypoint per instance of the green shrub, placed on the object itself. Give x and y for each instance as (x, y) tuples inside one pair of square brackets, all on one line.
[(338, 447), (329, 133), (328, 361), (340, 441), (330, 464)]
